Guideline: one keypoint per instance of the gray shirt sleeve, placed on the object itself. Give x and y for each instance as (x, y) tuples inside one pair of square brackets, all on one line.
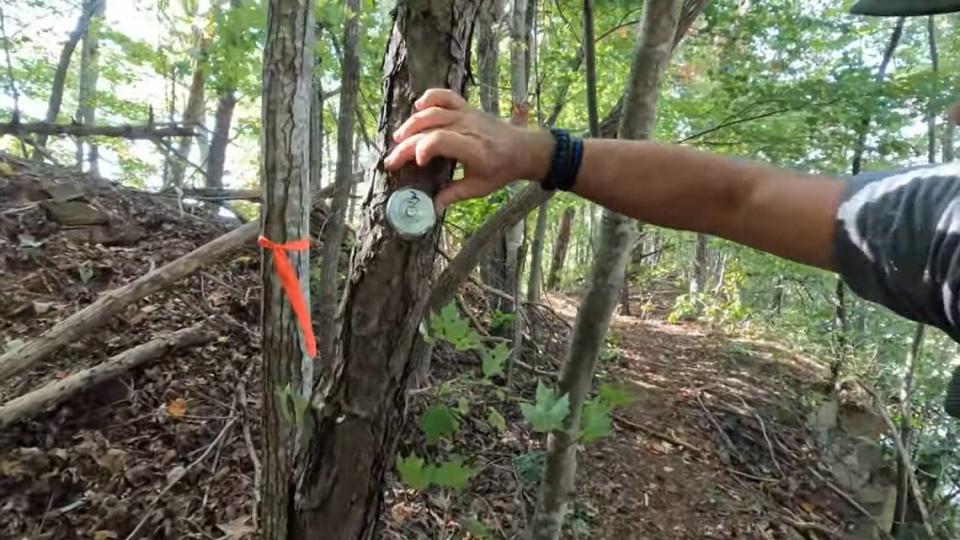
[(897, 242)]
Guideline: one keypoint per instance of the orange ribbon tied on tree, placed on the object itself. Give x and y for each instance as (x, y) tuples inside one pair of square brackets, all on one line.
[(291, 286)]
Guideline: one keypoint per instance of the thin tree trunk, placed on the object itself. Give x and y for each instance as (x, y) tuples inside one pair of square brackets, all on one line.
[(221, 138), (698, 275), (948, 143), (63, 66), (194, 115), (535, 284), (89, 73), (560, 248), (359, 405), (288, 66), (316, 133), (358, 177), (904, 491), (493, 271), (335, 227), (654, 45), (931, 113)]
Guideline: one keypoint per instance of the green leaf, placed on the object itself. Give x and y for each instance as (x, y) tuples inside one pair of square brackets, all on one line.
[(616, 395), (494, 360), (453, 474), (548, 412), (595, 421), (463, 406), (495, 419), (449, 326), (413, 473), (438, 422)]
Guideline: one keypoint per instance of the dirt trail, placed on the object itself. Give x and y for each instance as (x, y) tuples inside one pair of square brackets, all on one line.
[(638, 485)]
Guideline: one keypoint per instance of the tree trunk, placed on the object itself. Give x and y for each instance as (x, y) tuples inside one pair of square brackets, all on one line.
[(89, 73), (55, 393), (654, 45), (358, 408), (226, 103), (288, 62), (493, 271), (335, 226), (948, 141), (535, 283), (63, 66), (316, 133), (560, 248), (194, 115), (904, 492), (698, 274), (357, 178), (931, 113)]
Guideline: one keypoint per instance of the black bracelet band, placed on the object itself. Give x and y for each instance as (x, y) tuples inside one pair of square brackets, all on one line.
[(565, 162)]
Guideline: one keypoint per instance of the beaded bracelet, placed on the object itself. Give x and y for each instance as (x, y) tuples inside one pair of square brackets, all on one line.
[(565, 162)]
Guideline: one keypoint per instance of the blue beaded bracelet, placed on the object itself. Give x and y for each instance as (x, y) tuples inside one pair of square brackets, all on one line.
[(565, 162)]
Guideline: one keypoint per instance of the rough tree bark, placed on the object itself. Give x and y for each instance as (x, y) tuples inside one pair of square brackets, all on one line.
[(89, 73), (288, 62), (654, 45), (194, 114), (856, 166), (560, 247), (63, 66), (54, 393), (333, 231), (698, 274), (358, 407)]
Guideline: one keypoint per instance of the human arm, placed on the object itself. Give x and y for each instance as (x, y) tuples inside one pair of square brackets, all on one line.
[(781, 212)]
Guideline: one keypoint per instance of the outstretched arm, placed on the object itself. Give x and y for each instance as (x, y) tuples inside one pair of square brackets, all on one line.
[(781, 212)]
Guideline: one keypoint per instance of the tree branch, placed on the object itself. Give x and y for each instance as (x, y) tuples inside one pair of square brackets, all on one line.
[(124, 132)]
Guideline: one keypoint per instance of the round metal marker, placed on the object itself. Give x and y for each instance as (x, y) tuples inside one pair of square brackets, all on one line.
[(410, 212)]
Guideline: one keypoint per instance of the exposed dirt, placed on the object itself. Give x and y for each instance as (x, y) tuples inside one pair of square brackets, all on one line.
[(169, 451)]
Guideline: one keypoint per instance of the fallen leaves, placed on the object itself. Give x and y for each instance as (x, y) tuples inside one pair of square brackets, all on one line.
[(177, 408)]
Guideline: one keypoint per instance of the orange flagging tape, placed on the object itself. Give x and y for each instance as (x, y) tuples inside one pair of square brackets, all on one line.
[(291, 286)]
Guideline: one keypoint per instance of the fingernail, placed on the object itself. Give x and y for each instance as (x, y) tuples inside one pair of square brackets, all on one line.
[(396, 135)]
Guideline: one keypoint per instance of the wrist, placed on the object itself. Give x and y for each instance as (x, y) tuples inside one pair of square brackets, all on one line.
[(534, 151)]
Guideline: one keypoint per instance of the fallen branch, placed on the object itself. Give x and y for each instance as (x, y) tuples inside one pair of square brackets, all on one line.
[(76, 130), (852, 502), (623, 422), (55, 393), (112, 302), (904, 456), (209, 194), (723, 434), (809, 526)]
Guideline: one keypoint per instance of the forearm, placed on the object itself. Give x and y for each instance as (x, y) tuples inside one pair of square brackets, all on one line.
[(774, 210)]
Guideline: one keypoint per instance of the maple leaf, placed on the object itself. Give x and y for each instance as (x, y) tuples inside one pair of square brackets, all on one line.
[(438, 422), (549, 410)]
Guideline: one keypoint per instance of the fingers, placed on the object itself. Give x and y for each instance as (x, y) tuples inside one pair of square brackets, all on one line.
[(441, 97), (425, 146), (433, 117), (468, 188)]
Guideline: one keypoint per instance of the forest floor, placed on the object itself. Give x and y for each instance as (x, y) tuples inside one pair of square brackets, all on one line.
[(714, 446)]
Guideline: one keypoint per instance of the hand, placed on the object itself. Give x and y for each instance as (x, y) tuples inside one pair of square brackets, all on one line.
[(493, 153)]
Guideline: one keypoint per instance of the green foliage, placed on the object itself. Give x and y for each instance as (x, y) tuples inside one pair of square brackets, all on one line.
[(477, 528), (549, 410), (449, 326), (499, 320), (493, 360), (595, 421), (416, 473), (496, 420), (438, 422)]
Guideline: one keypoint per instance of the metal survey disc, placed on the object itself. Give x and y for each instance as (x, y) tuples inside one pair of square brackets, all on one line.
[(410, 212)]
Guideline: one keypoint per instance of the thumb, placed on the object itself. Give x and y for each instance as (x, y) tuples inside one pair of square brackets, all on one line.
[(468, 188)]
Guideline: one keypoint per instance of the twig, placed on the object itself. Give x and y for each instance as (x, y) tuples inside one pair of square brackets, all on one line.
[(807, 526), (623, 422), (466, 309), (716, 424), (251, 449), (904, 459), (178, 477), (852, 502), (749, 476)]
